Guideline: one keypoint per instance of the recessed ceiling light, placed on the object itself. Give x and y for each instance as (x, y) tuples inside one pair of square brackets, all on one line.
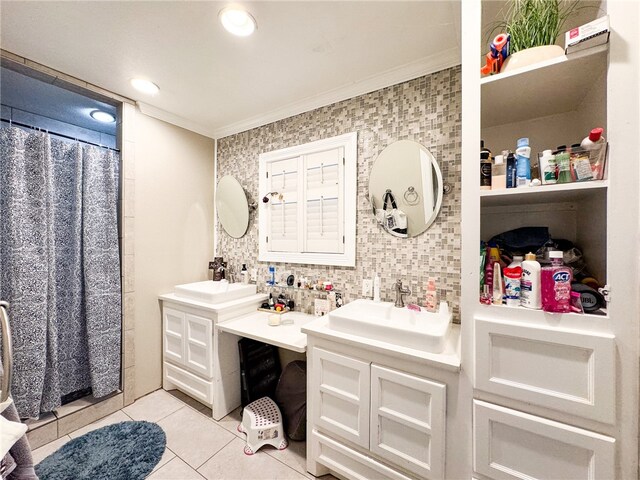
[(145, 86), (237, 21), (103, 117)]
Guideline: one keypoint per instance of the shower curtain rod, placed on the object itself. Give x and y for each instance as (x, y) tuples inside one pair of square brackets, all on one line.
[(11, 122)]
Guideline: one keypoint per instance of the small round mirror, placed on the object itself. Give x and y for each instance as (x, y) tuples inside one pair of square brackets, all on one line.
[(232, 205), (405, 189)]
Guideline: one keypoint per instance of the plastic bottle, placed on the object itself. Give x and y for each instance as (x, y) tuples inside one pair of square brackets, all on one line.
[(376, 288), (530, 283), (548, 168), (511, 170), (485, 167), (498, 173), (512, 276), (596, 145), (555, 283), (431, 297), (563, 160), (244, 274), (523, 163), (498, 291)]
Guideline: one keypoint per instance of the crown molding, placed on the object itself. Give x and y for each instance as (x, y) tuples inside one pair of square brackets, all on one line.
[(174, 119), (424, 66)]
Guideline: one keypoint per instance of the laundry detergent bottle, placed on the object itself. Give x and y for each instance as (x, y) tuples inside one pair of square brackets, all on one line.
[(555, 285)]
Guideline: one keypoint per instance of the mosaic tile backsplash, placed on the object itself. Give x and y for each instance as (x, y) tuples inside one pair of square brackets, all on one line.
[(426, 110)]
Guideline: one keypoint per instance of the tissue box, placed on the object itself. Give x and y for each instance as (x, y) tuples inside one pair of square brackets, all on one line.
[(588, 35)]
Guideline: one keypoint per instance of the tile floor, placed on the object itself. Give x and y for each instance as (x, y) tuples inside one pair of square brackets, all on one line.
[(197, 446)]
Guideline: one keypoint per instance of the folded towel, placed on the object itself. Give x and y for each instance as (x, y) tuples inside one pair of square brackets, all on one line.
[(10, 433)]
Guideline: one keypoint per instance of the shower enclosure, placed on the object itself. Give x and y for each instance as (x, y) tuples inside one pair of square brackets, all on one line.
[(59, 264)]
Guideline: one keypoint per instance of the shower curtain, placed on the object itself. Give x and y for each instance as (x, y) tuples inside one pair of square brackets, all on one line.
[(59, 267)]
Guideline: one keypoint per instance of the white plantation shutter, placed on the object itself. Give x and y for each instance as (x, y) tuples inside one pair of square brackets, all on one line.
[(283, 235), (312, 217), (324, 201)]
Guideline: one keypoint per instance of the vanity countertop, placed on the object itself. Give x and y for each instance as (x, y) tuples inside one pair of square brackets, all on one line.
[(449, 359), (255, 325), (213, 307)]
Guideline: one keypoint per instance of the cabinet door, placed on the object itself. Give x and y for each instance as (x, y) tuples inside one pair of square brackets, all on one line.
[(341, 386), (569, 371), (408, 421), (173, 335), (198, 344), (509, 445)]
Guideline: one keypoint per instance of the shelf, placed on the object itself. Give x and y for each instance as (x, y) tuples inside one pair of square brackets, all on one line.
[(565, 192), (546, 88)]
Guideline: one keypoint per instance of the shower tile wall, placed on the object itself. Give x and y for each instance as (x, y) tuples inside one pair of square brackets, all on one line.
[(426, 110)]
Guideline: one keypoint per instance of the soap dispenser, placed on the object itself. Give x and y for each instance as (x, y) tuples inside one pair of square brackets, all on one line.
[(431, 297), (244, 273), (376, 288)]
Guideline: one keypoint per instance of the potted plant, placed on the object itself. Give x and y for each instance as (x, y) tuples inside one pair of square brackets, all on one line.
[(533, 26)]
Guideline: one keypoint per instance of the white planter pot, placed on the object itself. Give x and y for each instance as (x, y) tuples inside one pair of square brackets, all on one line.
[(530, 56)]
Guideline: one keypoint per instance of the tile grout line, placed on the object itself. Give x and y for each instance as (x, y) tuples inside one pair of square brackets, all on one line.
[(287, 465), (217, 452)]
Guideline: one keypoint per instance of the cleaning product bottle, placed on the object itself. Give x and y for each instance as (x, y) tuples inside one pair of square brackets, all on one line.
[(376, 288), (555, 283), (530, 283), (523, 163), (498, 290), (485, 167), (488, 269), (512, 276), (548, 168), (511, 170), (498, 173), (244, 274), (431, 297), (563, 160), (596, 145)]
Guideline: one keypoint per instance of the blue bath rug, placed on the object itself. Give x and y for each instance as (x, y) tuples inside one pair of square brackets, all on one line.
[(123, 451)]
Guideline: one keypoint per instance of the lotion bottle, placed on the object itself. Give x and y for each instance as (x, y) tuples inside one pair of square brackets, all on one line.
[(530, 284), (376, 288), (431, 297)]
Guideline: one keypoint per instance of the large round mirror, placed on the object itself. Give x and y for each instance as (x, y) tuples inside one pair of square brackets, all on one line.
[(232, 205), (405, 189)]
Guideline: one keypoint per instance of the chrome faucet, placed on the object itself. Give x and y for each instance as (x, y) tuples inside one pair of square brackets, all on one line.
[(400, 293)]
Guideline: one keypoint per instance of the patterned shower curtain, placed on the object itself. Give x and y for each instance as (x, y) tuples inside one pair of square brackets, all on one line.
[(59, 267)]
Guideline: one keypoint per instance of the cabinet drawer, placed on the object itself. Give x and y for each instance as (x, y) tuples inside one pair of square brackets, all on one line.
[(189, 383), (509, 444), (349, 463), (408, 421), (563, 370), (341, 388)]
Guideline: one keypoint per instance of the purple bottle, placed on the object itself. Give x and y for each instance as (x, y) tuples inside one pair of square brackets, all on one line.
[(555, 285)]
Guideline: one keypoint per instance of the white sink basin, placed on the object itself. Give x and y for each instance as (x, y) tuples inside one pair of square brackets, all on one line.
[(400, 326), (214, 292)]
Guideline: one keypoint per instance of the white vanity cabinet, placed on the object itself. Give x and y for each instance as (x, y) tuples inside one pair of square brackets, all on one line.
[(373, 415), (198, 359)]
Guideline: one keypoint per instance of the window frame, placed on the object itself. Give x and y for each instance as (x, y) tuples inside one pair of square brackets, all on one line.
[(349, 144)]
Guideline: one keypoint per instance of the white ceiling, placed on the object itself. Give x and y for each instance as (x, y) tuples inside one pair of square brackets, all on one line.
[(303, 55)]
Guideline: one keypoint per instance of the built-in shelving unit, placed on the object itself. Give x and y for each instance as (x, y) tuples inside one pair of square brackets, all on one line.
[(554, 380)]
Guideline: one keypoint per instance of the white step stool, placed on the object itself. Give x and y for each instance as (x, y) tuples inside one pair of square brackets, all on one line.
[(262, 423)]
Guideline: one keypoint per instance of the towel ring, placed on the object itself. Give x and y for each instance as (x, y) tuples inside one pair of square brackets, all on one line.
[(411, 196)]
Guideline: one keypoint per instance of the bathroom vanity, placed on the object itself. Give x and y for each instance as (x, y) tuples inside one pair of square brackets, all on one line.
[(377, 408), (196, 360)]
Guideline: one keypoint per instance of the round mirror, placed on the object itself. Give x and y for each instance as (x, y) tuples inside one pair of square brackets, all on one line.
[(405, 189), (232, 205)]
